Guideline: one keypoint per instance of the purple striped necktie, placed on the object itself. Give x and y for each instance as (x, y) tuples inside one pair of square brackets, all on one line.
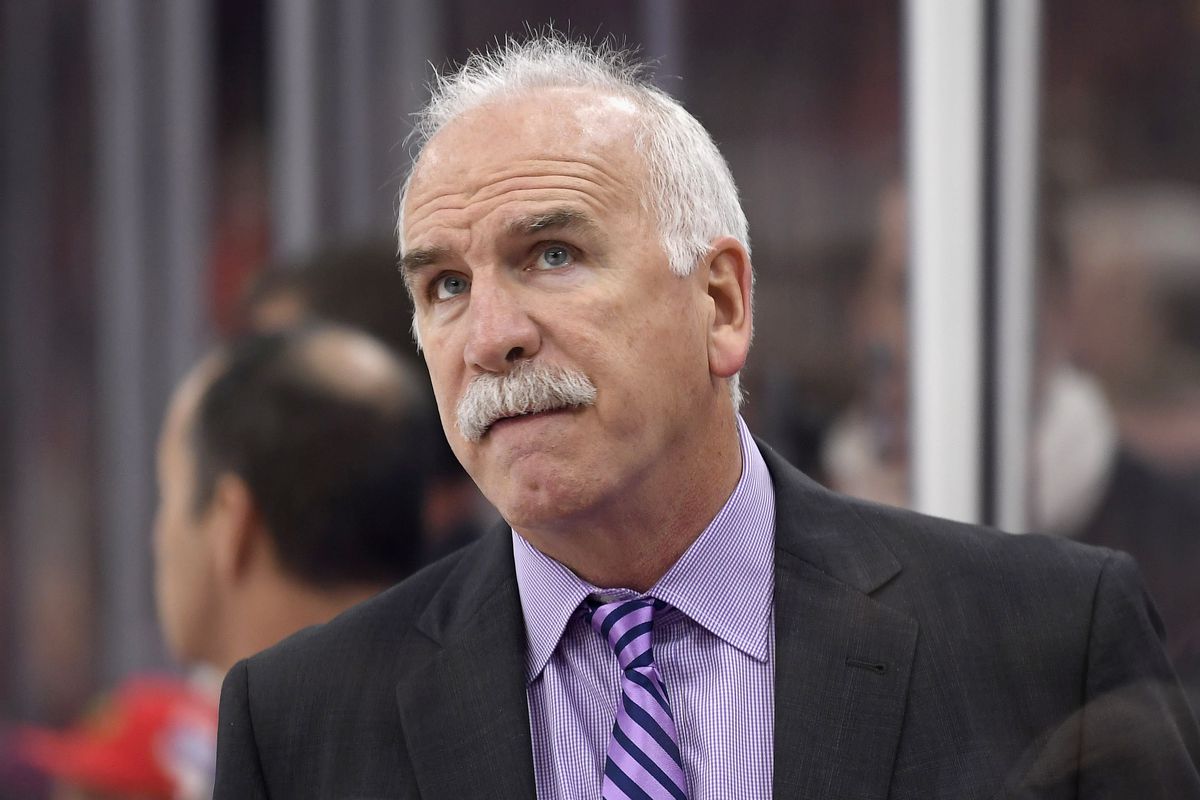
[(643, 754)]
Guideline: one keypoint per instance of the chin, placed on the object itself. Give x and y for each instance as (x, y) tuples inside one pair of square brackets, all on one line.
[(540, 503)]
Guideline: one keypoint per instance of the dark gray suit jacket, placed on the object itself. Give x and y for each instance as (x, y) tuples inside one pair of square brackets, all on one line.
[(915, 658), (1155, 517)]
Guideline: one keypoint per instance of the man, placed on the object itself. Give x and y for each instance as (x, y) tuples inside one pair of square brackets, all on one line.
[(290, 475), (674, 611), (291, 470)]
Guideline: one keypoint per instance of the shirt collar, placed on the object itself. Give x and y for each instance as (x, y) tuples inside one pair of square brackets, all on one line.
[(724, 581)]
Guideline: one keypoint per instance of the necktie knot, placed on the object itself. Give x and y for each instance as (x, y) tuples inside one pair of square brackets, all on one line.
[(628, 627)]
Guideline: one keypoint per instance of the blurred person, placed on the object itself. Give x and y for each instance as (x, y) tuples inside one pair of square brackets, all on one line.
[(151, 738), (865, 452), (1086, 483), (1134, 308), (360, 285), (291, 468), (669, 608)]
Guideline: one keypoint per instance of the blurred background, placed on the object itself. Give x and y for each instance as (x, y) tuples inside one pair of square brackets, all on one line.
[(156, 155)]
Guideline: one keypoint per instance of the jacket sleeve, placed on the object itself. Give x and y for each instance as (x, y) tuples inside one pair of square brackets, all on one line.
[(1138, 736), (1133, 734), (239, 770)]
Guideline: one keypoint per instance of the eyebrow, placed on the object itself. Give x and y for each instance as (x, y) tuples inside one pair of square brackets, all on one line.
[(421, 257), (553, 220)]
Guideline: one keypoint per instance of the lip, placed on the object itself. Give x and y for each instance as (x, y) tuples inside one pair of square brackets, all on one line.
[(525, 420)]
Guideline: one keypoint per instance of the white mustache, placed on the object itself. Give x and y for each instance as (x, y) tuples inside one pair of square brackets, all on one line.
[(530, 387)]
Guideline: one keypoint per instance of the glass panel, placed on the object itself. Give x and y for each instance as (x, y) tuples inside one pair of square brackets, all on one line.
[(1119, 448)]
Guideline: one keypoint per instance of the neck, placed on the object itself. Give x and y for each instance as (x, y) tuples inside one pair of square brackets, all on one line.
[(269, 611), (632, 540)]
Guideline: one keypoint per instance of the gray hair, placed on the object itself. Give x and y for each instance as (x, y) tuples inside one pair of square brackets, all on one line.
[(692, 193)]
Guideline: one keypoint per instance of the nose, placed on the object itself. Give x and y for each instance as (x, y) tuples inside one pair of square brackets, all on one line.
[(500, 332)]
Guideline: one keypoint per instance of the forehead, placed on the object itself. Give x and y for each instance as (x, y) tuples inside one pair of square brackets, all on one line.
[(561, 135), (184, 404)]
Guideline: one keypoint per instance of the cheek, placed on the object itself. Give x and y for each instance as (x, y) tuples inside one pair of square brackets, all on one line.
[(447, 403), (446, 395), (169, 575), (168, 598), (672, 342), (445, 367), (658, 360), (446, 398), (181, 572), (158, 531), (166, 528)]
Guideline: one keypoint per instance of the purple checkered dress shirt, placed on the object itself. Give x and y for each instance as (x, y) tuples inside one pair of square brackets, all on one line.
[(715, 650)]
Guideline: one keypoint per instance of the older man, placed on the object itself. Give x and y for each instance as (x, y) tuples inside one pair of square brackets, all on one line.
[(671, 610)]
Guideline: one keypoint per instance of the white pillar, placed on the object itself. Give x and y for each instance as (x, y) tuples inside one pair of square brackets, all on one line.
[(944, 105), (1018, 50)]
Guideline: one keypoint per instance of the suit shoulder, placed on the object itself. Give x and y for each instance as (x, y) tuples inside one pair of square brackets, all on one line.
[(972, 587), (385, 623), (919, 539), (837, 529)]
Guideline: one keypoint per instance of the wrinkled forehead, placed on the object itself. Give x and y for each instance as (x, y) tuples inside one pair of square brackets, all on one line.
[(531, 127)]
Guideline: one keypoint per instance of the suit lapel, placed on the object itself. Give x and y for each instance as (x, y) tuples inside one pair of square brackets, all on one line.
[(842, 660), (463, 708)]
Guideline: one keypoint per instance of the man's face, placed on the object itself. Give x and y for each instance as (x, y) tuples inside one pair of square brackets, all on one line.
[(526, 238), (183, 576)]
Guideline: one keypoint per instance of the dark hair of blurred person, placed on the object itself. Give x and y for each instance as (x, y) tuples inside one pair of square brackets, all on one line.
[(291, 472), (360, 285)]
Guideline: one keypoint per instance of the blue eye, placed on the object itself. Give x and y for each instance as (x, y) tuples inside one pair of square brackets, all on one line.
[(450, 285), (555, 256)]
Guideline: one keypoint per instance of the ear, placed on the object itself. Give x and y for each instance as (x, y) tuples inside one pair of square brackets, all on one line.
[(729, 283), (234, 527)]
